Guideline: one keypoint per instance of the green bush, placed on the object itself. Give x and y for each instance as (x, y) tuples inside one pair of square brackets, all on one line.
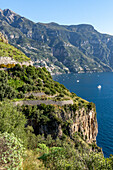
[(28, 79), (11, 151), (11, 120), (47, 90), (42, 148)]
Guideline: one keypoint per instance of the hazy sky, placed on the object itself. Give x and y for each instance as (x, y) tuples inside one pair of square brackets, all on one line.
[(98, 13)]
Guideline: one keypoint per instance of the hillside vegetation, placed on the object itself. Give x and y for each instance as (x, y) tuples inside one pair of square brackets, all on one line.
[(43, 136), (29, 79), (43, 152), (30, 83), (43, 145), (7, 50), (48, 149)]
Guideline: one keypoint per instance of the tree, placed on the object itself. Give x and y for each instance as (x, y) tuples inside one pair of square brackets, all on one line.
[(11, 120)]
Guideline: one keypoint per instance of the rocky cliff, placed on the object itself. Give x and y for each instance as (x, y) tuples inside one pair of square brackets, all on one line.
[(86, 124), (66, 120), (48, 106)]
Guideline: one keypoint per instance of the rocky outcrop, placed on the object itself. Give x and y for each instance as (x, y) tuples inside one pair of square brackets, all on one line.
[(69, 120), (83, 122), (86, 124), (3, 39)]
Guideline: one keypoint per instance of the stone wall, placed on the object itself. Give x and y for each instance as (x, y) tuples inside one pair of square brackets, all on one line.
[(47, 102)]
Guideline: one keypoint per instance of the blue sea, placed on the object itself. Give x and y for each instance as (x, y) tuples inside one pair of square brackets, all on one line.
[(103, 99)]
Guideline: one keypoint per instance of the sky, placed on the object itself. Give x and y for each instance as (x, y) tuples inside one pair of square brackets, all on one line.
[(98, 13)]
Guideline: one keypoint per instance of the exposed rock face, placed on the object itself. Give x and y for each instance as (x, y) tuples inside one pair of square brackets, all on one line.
[(69, 121), (3, 39), (86, 124), (63, 49)]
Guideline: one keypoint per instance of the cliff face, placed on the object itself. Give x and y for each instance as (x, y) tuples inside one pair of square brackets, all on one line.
[(68, 120), (86, 124)]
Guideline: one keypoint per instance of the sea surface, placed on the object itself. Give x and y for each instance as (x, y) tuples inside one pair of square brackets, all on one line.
[(103, 99)]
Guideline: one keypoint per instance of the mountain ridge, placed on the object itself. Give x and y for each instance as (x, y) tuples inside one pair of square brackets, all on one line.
[(60, 48)]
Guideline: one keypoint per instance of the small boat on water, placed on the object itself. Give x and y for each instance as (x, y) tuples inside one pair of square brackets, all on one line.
[(99, 86), (77, 81)]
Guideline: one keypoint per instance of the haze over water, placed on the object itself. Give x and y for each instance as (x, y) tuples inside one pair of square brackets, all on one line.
[(103, 99)]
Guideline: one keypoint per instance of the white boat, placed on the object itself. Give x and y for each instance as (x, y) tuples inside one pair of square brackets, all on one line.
[(77, 81), (99, 86)]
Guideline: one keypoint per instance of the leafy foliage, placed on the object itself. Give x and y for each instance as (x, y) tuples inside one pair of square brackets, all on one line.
[(63, 153), (11, 120), (7, 66), (6, 91), (7, 50), (11, 151), (67, 156), (20, 80)]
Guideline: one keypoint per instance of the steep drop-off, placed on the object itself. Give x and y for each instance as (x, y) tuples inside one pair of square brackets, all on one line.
[(52, 109), (65, 120)]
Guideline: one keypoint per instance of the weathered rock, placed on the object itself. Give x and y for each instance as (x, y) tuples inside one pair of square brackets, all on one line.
[(69, 121), (3, 39), (86, 124)]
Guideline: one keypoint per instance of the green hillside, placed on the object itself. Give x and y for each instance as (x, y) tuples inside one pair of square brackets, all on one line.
[(7, 50), (19, 81), (44, 136), (42, 124)]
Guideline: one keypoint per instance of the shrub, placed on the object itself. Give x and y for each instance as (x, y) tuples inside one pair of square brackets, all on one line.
[(11, 151), (61, 95), (47, 90), (31, 138), (42, 148), (20, 95), (11, 120), (90, 106)]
